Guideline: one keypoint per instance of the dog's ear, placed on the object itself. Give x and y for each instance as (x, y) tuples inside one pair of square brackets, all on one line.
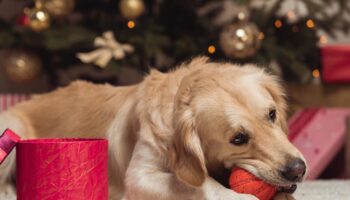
[(189, 164), (274, 87)]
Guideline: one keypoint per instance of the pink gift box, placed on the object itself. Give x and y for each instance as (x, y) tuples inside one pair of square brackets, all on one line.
[(319, 134), (62, 169)]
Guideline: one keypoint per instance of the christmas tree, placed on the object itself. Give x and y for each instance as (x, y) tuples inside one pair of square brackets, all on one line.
[(55, 36)]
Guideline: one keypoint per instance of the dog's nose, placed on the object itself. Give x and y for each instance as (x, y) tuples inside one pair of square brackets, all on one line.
[(294, 170)]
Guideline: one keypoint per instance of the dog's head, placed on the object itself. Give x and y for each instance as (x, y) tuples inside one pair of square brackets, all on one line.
[(227, 116)]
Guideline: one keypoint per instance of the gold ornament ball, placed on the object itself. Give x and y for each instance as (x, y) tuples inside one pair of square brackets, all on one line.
[(21, 65), (240, 40), (131, 9), (39, 19), (58, 8)]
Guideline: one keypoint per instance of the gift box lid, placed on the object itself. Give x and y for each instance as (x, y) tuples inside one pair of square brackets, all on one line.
[(8, 141)]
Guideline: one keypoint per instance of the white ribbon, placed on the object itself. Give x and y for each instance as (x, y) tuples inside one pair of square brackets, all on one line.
[(108, 48)]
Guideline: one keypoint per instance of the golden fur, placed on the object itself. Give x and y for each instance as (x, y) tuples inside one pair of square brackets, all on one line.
[(169, 132)]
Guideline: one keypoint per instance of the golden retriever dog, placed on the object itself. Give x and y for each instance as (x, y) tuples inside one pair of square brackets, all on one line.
[(175, 135)]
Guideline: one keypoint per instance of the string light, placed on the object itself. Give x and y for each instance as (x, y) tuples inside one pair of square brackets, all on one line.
[(131, 24), (211, 49), (315, 73), (242, 15), (323, 39), (278, 23), (291, 15), (261, 36), (310, 23)]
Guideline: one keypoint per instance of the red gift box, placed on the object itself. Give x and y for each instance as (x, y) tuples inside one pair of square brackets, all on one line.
[(336, 63), (62, 169)]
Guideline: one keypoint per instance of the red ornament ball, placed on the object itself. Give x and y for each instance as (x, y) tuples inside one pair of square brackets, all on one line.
[(23, 20), (242, 181)]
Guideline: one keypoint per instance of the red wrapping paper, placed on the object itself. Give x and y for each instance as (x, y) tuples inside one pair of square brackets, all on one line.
[(62, 169)]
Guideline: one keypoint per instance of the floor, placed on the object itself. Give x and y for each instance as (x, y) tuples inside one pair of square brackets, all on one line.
[(318, 190), (323, 190)]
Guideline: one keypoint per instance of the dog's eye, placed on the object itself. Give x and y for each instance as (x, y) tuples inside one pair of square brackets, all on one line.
[(272, 115), (240, 138)]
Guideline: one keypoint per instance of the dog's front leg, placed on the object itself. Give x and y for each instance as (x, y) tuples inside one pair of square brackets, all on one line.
[(147, 180)]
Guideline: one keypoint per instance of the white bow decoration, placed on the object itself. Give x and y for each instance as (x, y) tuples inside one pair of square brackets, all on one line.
[(108, 48)]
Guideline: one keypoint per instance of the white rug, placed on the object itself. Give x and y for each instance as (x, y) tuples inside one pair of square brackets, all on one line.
[(317, 190), (323, 190), (6, 197)]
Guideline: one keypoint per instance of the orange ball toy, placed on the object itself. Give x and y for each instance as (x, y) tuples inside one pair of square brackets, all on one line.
[(242, 181)]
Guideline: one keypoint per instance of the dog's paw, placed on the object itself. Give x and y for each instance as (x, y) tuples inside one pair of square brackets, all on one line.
[(283, 196)]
